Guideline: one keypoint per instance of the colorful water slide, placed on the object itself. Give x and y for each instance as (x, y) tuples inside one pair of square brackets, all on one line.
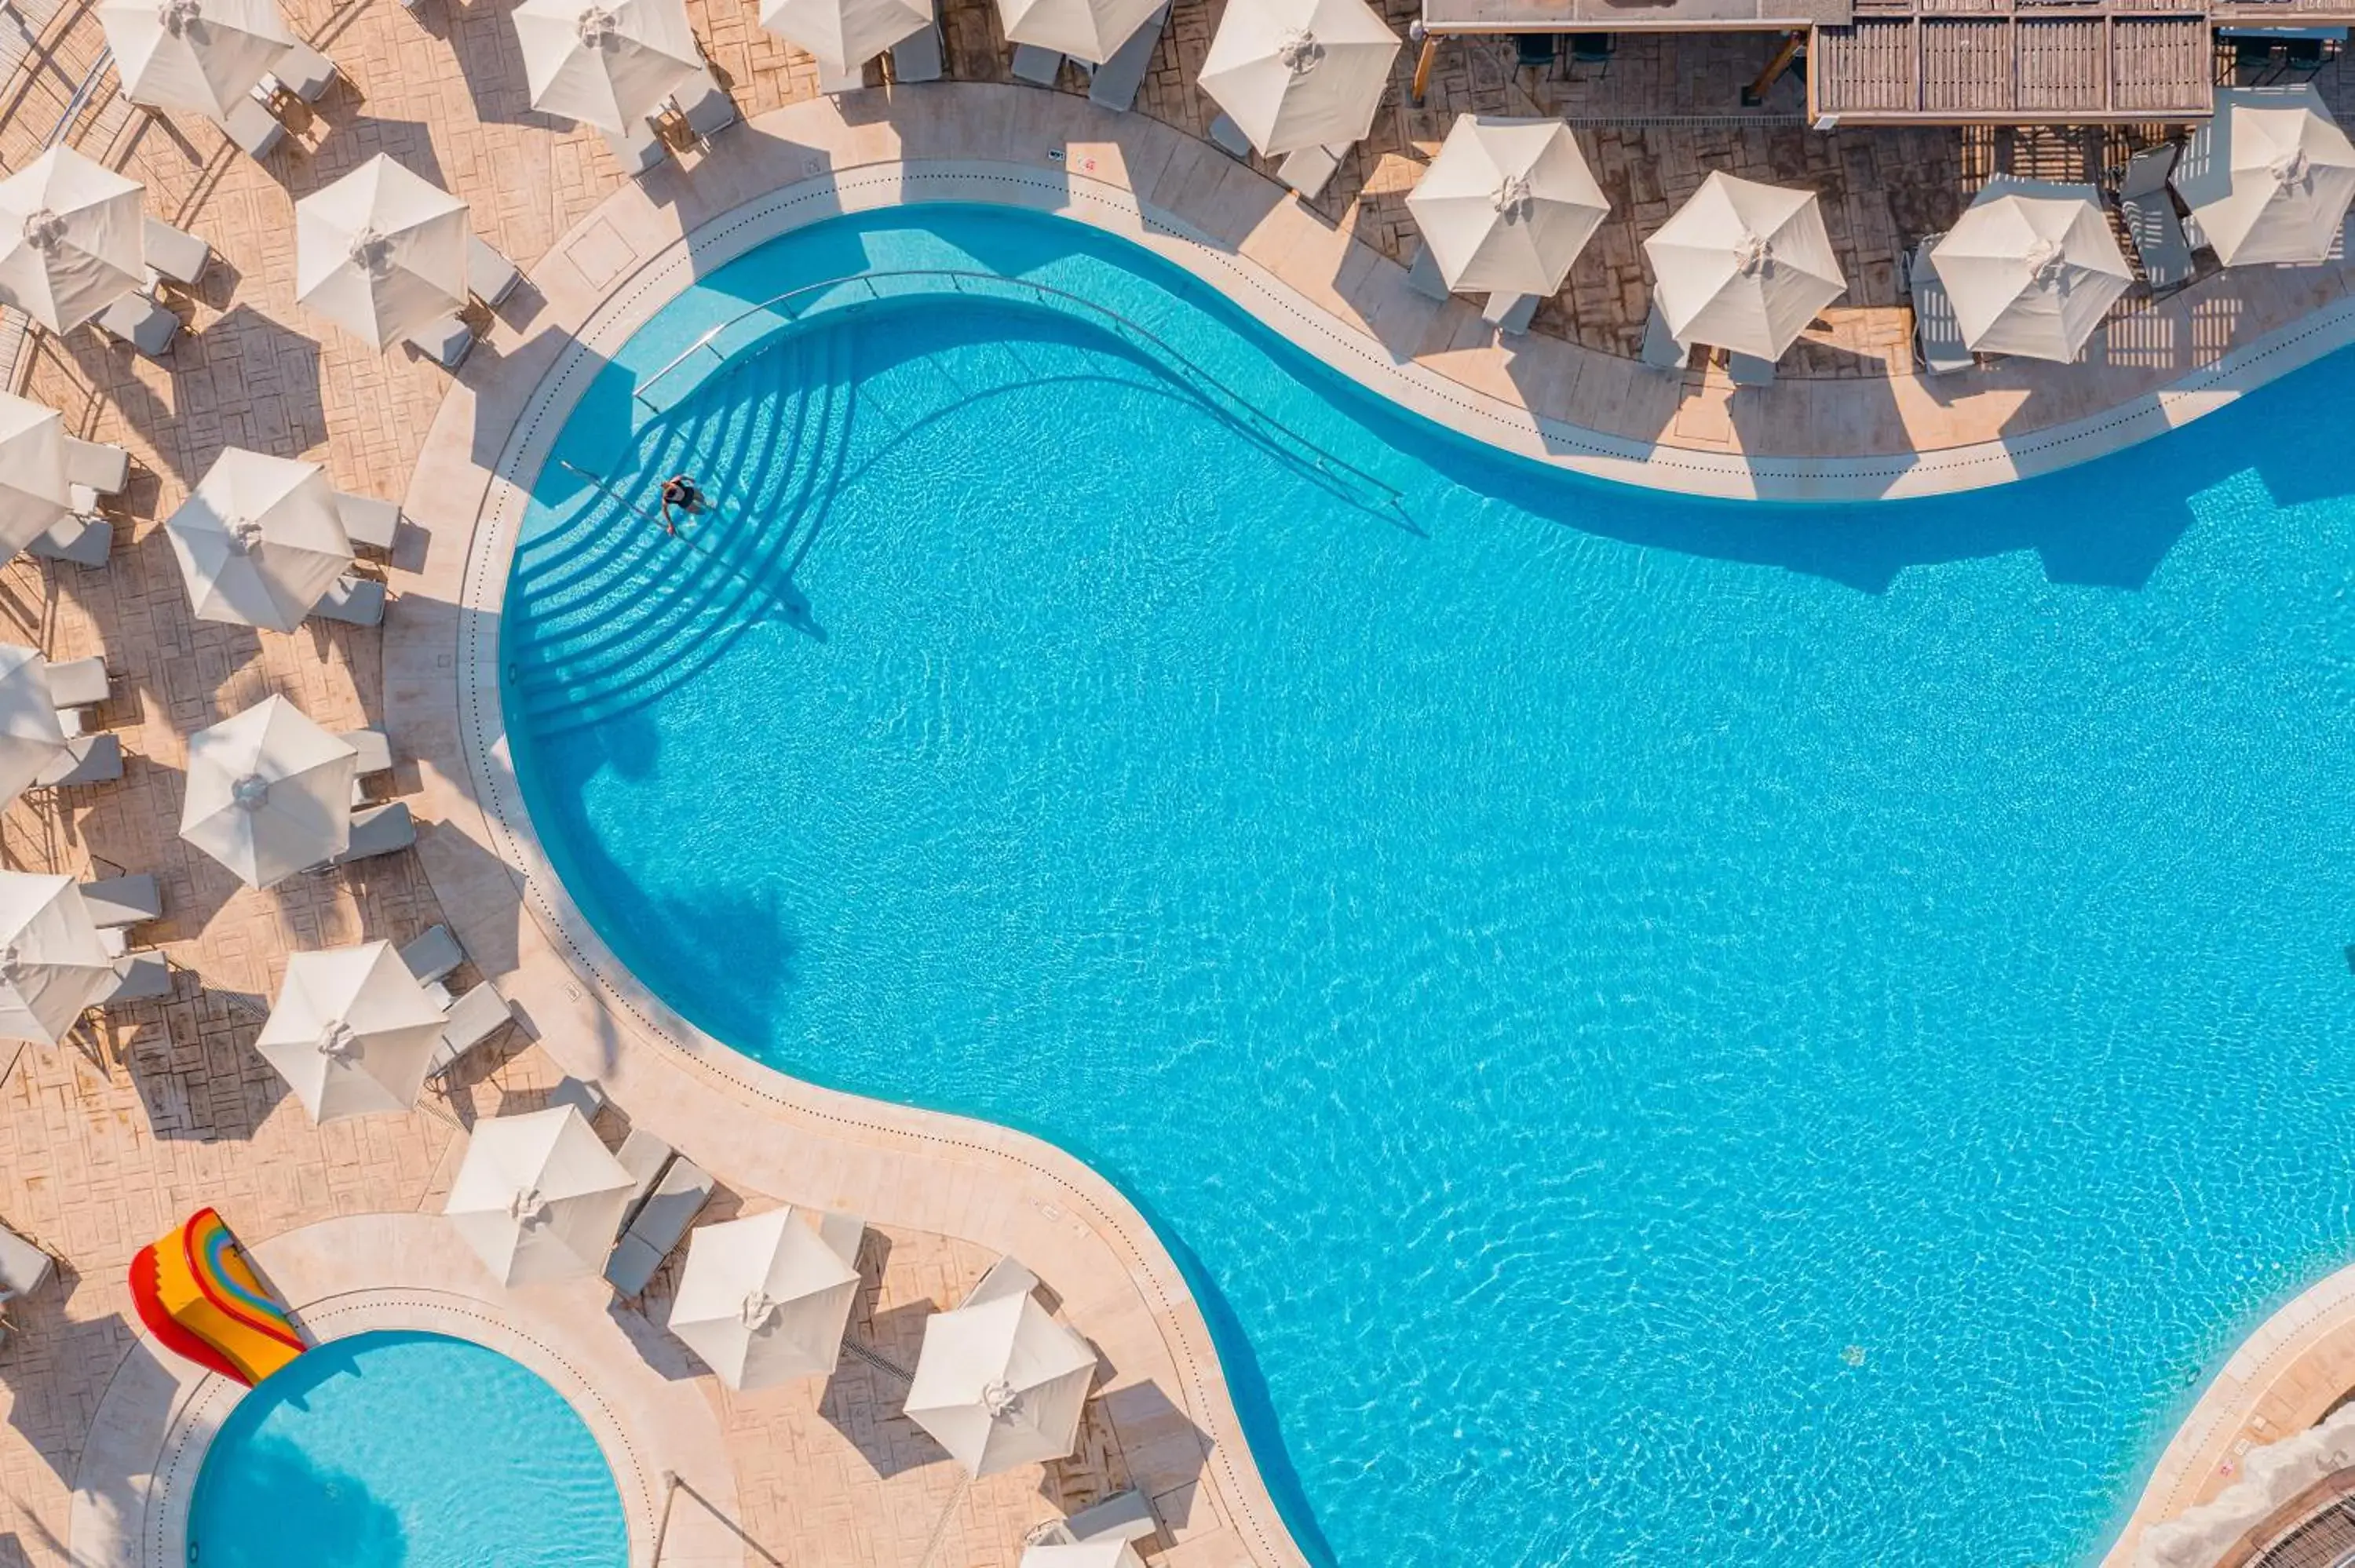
[(201, 1298)]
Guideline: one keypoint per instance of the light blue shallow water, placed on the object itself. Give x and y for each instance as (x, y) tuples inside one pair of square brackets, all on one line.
[(1665, 1031), (401, 1450)]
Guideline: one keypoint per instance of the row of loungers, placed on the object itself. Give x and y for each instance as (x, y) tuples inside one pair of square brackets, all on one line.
[(178, 260), (97, 472), (2147, 208), (1111, 85)]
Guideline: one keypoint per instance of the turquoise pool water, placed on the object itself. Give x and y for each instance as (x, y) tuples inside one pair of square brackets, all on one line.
[(400, 1450), (1664, 1031)]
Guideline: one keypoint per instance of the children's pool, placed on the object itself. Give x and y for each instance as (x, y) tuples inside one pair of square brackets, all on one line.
[(400, 1450), (1663, 1030)]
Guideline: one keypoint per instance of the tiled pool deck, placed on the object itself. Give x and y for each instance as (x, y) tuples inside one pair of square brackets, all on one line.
[(96, 1159)]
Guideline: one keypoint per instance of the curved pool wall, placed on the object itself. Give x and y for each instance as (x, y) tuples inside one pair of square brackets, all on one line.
[(405, 1450), (1781, 1034)]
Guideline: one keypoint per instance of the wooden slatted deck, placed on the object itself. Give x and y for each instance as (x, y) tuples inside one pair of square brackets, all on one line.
[(1949, 61)]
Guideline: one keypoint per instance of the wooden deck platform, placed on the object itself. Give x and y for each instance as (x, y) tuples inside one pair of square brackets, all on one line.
[(1945, 62)]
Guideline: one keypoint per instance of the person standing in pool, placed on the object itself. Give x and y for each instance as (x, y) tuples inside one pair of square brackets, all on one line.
[(679, 490)]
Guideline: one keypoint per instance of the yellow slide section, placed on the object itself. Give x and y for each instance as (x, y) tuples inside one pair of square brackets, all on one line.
[(198, 1294)]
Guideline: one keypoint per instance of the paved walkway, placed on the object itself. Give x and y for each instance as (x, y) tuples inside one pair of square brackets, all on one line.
[(103, 1155), (2297, 1368)]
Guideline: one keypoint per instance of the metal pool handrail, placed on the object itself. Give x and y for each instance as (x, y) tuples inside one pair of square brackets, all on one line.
[(1337, 471)]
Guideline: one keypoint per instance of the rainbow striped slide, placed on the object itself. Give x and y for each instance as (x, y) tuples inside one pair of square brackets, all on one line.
[(200, 1298)]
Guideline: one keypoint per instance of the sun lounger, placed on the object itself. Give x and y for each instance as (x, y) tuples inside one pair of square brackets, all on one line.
[(1037, 66), (102, 466), (87, 760), (1425, 276), (173, 253), (639, 150), (1749, 370), (255, 129), (304, 72), (433, 954), (139, 977), (2151, 222), (1128, 1516), (78, 683), (355, 600), (645, 1157), (379, 830), (24, 1267), (370, 521), (661, 1221), (124, 900), (1307, 170), (708, 110), (490, 276), (1113, 85), (842, 1234), (1936, 329), (1005, 1278), (917, 57), (77, 537), (142, 322), (1661, 350), (1510, 314), (444, 341), (375, 751), (1227, 137), (472, 1019), (579, 1094)]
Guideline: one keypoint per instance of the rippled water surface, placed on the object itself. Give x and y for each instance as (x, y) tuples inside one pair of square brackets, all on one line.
[(1665, 1031), (401, 1450)]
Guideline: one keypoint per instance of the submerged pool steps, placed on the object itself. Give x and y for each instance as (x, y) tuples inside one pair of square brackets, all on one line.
[(726, 345), (622, 612)]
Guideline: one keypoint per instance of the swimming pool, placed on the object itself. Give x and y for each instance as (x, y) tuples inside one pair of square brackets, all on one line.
[(1659, 1028), (405, 1450)]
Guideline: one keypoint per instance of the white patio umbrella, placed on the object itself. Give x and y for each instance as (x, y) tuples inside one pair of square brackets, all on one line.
[(202, 56), (1743, 266), (53, 963), (34, 493), (70, 238), (1092, 30), (381, 252), (31, 738), (268, 792), (258, 540), (538, 1197), (764, 1300), (607, 63), (1508, 205), (2270, 177), (2032, 267), (352, 1032), (1001, 1385), (1109, 1552), (845, 33), (1300, 73)]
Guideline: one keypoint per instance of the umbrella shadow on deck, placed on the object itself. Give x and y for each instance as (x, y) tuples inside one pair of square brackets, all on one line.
[(48, 1355), (201, 1081)]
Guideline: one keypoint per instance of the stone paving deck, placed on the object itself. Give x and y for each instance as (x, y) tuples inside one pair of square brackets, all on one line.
[(98, 1156)]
